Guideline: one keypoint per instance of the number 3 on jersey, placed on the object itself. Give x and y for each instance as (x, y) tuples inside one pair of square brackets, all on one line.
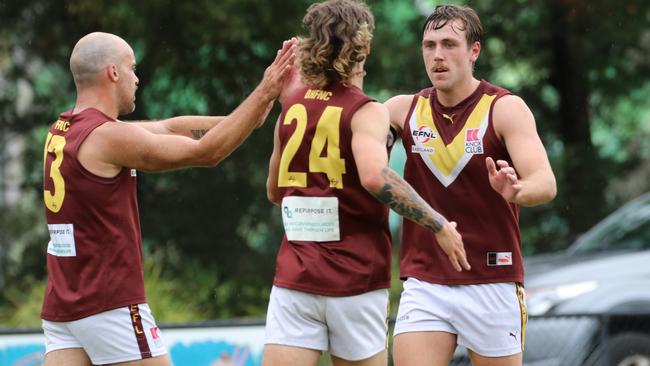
[(55, 144), (327, 133)]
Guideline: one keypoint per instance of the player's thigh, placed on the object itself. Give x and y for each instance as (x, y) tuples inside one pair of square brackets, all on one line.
[(153, 361), (478, 360), (67, 357), (423, 348), (281, 355), (379, 359)]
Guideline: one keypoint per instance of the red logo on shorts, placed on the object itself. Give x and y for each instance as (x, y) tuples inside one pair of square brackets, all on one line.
[(154, 332)]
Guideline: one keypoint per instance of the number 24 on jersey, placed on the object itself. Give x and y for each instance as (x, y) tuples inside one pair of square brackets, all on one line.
[(327, 133)]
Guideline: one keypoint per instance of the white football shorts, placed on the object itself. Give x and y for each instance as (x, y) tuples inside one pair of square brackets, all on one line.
[(489, 319), (351, 327), (124, 334)]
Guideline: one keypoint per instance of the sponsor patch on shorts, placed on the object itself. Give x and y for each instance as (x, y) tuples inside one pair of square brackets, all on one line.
[(499, 258)]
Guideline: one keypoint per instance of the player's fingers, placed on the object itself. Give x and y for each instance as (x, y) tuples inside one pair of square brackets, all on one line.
[(287, 45), (508, 169), (284, 67), (464, 263), (502, 163), (279, 53), (286, 50), (489, 163), (286, 58), (453, 224), (512, 178), (454, 263)]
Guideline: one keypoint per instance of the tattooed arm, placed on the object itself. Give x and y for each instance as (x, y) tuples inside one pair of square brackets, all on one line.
[(370, 128), (402, 198), (190, 126)]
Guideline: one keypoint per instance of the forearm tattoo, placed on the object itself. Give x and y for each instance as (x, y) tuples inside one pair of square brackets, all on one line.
[(198, 133), (402, 198)]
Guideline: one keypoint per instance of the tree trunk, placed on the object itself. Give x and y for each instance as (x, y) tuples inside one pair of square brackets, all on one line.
[(582, 181)]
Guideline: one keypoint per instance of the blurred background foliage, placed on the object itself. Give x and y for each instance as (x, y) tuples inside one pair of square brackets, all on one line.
[(210, 235)]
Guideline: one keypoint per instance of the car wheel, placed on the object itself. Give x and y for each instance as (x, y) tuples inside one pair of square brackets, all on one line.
[(629, 349)]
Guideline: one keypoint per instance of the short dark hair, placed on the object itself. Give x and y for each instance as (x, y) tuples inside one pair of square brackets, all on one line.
[(444, 14)]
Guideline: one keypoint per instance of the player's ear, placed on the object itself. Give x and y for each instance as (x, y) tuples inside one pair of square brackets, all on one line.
[(112, 73), (476, 51)]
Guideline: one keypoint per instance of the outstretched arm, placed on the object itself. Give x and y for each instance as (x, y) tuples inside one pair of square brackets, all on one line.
[(190, 126), (115, 145), (530, 181), (370, 128)]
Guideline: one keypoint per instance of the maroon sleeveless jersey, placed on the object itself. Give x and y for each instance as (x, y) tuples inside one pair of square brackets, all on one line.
[(337, 241), (446, 149), (94, 256)]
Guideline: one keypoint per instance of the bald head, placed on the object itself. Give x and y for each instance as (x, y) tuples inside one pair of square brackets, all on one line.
[(93, 53)]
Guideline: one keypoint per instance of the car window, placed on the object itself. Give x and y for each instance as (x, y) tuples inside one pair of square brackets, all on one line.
[(626, 229)]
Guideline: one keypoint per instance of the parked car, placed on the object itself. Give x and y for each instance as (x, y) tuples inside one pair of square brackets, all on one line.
[(594, 297), (590, 304)]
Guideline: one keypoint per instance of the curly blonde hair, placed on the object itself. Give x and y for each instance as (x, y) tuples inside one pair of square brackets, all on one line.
[(340, 32)]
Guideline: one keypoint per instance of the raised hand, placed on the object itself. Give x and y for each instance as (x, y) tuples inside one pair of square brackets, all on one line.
[(277, 72), (451, 243), (503, 179), (291, 83)]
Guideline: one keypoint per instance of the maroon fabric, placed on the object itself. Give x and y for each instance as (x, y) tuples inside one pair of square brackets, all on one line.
[(360, 261), (485, 220), (138, 331), (106, 272)]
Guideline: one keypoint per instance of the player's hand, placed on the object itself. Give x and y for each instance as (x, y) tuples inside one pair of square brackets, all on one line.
[(451, 243), (503, 179), (291, 83), (277, 72)]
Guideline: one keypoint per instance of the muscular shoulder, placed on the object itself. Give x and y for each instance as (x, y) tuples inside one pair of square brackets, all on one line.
[(115, 131), (371, 111), (370, 115), (97, 152), (398, 107), (510, 112)]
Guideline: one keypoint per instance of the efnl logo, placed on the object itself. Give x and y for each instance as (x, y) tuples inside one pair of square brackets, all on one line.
[(473, 144), (424, 134)]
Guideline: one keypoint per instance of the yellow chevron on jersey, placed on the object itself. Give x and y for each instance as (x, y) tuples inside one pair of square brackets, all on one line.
[(447, 161)]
